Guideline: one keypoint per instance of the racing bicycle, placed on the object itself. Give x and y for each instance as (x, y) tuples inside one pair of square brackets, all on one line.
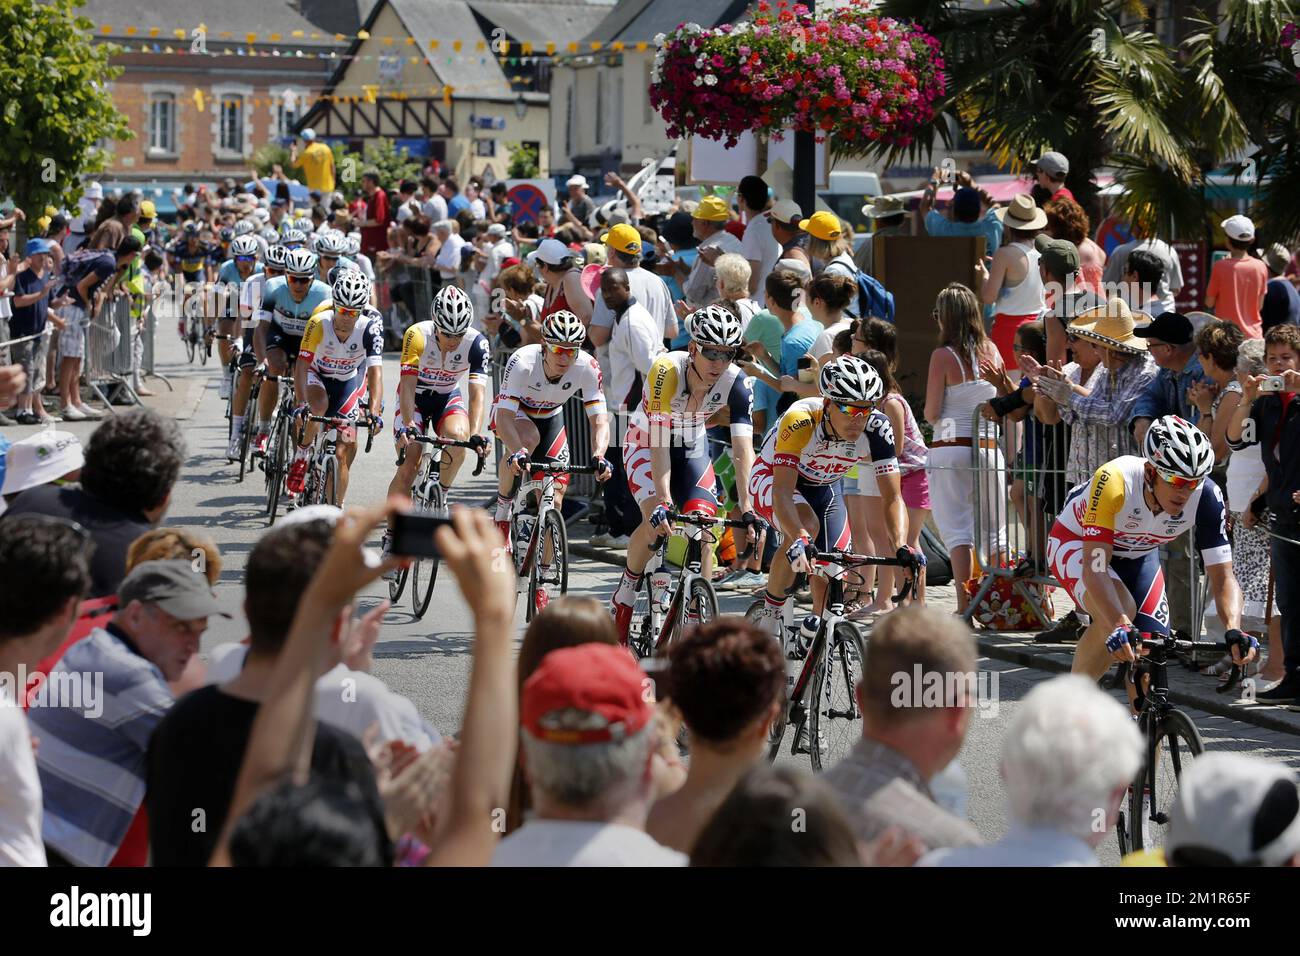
[(664, 608), (275, 463), (320, 486), (829, 722), (429, 496), (536, 524)]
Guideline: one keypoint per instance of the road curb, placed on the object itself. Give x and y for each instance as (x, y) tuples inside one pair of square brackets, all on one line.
[(1265, 717)]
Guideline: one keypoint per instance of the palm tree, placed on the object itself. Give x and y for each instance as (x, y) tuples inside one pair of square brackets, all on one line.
[(1076, 76)]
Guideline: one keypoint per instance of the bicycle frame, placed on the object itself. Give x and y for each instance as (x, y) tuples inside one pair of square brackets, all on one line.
[(661, 621), (544, 487)]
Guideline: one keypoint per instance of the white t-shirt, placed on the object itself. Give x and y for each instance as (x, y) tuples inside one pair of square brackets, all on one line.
[(760, 246), (20, 792), (479, 209), (6, 298), (497, 254), (582, 843), (435, 207), (633, 345), (448, 258), (348, 700), (365, 265), (824, 342)]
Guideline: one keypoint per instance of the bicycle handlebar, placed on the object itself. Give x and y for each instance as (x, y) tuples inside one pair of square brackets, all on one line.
[(706, 521), (442, 443), (1167, 642), (850, 559)]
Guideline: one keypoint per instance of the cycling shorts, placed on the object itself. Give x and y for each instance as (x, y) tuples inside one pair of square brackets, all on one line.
[(553, 440), (826, 502), (435, 407), (344, 399), (278, 338), (691, 481), (1141, 576)]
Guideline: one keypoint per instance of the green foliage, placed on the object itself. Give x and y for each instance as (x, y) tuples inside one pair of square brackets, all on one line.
[(1082, 77), (269, 155), (54, 102), (393, 165), (523, 161)]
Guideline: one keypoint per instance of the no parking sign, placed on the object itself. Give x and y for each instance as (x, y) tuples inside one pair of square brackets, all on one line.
[(529, 197)]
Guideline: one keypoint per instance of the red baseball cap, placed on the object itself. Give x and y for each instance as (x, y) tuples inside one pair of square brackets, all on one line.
[(591, 693)]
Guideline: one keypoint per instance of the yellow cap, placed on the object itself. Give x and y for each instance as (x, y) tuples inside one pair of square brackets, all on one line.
[(822, 225), (624, 238), (712, 208), (43, 223), (148, 210)]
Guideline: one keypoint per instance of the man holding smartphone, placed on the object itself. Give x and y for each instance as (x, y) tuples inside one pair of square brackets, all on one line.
[(1270, 417)]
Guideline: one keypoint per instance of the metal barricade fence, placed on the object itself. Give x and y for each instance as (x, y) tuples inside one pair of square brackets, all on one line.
[(404, 295), (109, 358), (1016, 476)]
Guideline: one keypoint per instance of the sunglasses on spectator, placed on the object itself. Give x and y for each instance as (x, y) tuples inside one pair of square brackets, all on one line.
[(718, 355), (856, 411), (1178, 481), (568, 351)]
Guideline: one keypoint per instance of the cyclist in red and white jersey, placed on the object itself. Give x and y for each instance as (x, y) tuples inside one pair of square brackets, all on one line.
[(1104, 547)]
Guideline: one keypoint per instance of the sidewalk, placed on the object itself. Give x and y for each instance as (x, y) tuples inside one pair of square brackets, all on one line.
[(1186, 687)]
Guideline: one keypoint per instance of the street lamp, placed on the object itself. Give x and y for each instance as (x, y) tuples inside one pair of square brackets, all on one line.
[(521, 107)]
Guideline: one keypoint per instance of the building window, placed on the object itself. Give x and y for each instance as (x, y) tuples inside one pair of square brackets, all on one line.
[(285, 118), (162, 123), (485, 147), (230, 127)]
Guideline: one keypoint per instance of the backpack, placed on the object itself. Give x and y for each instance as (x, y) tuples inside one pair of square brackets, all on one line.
[(938, 566), (873, 298)]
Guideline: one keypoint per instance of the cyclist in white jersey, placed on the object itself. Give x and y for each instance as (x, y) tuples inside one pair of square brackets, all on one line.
[(437, 355), (1104, 546), (527, 416)]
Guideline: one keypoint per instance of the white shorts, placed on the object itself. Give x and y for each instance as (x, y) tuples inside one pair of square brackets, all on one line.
[(953, 499)]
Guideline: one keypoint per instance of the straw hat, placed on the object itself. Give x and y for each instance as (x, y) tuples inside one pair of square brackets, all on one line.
[(1023, 213), (883, 206), (1110, 325)]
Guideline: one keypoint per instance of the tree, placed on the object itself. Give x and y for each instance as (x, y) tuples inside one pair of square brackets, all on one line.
[(56, 102), (1076, 76), (523, 161)]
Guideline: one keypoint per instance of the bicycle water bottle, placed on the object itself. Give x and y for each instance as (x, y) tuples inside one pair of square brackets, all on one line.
[(524, 525), (660, 581), (808, 630)]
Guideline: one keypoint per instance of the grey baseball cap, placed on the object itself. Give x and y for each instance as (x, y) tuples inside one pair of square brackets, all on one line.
[(1234, 810), (174, 586), (1052, 163)]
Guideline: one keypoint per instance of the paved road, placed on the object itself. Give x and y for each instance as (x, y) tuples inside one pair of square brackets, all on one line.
[(429, 660)]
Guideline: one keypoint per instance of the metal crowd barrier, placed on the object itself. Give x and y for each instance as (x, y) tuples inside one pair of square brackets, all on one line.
[(109, 359), (1010, 525), (404, 295)]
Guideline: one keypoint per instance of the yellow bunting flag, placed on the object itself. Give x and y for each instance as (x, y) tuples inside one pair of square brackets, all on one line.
[(618, 46), (106, 29), (550, 48), (370, 90), (275, 38), (573, 48), (596, 45), (505, 47), (180, 34), (480, 46), (198, 99), (642, 46), (446, 95), (433, 44), (527, 48), (153, 31), (131, 31), (456, 45), (410, 41), (363, 34), (297, 33), (250, 37)]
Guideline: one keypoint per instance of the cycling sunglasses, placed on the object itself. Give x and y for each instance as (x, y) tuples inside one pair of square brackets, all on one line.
[(245, 258), (566, 350), (300, 280), (857, 411), (1178, 481), (344, 310), (718, 355)]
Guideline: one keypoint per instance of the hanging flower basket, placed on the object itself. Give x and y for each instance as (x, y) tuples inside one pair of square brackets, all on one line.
[(862, 79)]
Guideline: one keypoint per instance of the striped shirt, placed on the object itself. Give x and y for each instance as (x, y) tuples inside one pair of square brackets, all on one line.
[(92, 754)]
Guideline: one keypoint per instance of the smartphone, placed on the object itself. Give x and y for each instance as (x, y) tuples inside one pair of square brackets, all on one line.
[(413, 534), (1274, 383)]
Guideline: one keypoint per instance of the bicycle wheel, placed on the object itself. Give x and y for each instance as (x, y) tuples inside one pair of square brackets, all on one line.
[(276, 457), (775, 733), (547, 582), (327, 490), (246, 436), (424, 571), (835, 722), (1169, 751), (640, 633), (191, 341), (699, 607), (205, 348)]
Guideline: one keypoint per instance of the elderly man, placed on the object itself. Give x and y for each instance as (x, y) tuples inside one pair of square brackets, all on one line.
[(885, 779), (588, 741), (449, 246), (92, 769), (1064, 787), (710, 224)]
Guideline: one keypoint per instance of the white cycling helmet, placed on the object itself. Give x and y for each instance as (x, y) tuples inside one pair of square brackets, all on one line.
[(270, 236), (276, 256), (329, 244), (243, 228), (304, 225), (563, 328), (714, 325), (452, 311), (850, 380), (1177, 447), (351, 244), (245, 246), (293, 237), (301, 262), (351, 289)]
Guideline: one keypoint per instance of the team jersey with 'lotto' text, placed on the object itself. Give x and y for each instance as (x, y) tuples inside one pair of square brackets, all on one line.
[(440, 371), (278, 305), (525, 385), (331, 357), (803, 441), (664, 399), (1112, 509), (193, 260)]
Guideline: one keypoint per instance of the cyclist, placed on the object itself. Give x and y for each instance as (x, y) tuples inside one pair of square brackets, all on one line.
[(340, 360), (287, 304), (798, 479), (436, 355), (304, 225), (251, 291), (293, 239), (666, 448), (527, 416), (225, 236), (1104, 546), (329, 247), (230, 278)]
